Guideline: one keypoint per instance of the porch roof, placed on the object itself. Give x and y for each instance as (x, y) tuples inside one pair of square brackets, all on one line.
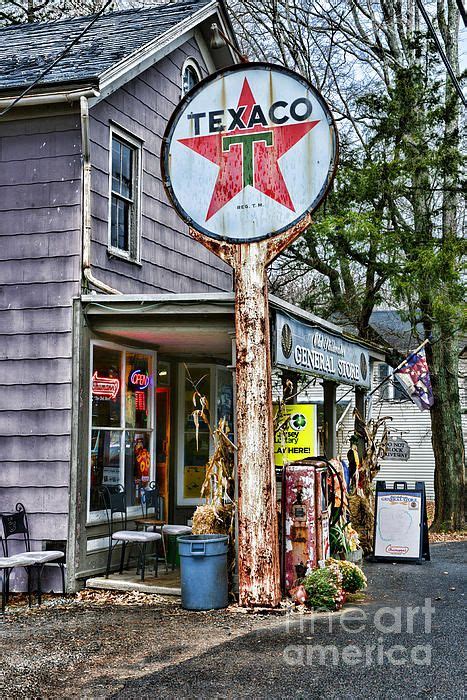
[(189, 324)]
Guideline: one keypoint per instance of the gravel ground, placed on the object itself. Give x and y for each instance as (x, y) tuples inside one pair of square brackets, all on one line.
[(117, 646)]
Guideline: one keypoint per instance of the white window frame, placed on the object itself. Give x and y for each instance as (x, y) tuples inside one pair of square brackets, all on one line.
[(97, 516), (135, 229), (190, 63), (180, 450)]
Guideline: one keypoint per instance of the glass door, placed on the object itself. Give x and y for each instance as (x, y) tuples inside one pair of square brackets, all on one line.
[(194, 446)]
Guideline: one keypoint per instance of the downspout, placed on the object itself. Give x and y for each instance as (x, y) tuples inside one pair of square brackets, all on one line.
[(86, 202)]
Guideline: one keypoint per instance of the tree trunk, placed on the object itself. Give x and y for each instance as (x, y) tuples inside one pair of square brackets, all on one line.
[(446, 429)]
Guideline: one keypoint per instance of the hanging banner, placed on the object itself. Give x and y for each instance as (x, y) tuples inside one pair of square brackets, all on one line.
[(298, 439), (312, 350), (249, 152), (415, 378)]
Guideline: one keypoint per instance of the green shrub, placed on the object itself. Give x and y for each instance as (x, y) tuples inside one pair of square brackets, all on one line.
[(324, 588), (353, 578)]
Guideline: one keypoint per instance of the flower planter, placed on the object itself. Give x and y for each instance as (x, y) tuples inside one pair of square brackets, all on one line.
[(355, 557)]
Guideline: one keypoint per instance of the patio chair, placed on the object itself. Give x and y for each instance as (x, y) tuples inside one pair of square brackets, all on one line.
[(7, 564), (15, 524), (114, 498), (151, 500), (152, 508)]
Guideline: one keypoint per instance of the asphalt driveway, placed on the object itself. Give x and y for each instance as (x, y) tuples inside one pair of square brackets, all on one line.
[(117, 647), (385, 649)]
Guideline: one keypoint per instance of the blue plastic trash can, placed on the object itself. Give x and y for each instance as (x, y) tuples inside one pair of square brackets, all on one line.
[(203, 571)]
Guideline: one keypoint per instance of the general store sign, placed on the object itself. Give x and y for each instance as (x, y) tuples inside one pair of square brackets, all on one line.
[(248, 152), (311, 350)]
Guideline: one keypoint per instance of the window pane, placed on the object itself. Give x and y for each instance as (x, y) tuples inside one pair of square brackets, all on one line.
[(190, 79), (123, 225), (105, 463), (116, 169), (225, 397), (106, 385), (137, 465), (139, 387), (196, 455), (113, 223), (127, 171)]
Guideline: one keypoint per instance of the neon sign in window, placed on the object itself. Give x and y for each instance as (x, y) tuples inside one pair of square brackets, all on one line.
[(140, 379), (107, 387)]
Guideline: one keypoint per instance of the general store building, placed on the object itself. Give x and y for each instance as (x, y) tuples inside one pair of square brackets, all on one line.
[(109, 311)]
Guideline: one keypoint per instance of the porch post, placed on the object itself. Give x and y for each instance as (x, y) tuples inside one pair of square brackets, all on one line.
[(360, 401), (330, 412)]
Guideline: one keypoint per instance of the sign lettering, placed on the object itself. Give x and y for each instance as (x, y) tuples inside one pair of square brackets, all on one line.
[(231, 149), (311, 350)]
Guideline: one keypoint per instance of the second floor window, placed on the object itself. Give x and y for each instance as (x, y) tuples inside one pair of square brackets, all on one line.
[(124, 197)]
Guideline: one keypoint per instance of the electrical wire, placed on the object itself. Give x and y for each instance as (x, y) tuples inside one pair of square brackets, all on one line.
[(54, 63), (441, 52)]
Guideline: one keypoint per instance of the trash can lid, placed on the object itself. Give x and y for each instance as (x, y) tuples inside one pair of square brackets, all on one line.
[(203, 538)]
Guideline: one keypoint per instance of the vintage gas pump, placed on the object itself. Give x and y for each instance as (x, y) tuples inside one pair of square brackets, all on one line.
[(305, 518)]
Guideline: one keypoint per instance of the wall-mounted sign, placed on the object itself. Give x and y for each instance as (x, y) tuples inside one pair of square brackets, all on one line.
[(311, 350), (398, 450), (248, 152), (298, 439), (139, 379), (107, 387)]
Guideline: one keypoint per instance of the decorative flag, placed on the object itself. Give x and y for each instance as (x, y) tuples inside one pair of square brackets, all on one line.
[(415, 378)]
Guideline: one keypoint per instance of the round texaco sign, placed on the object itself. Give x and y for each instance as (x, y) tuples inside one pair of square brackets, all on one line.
[(249, 152)]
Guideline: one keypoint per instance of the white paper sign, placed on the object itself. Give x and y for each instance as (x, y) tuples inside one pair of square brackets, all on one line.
[(398, 523)]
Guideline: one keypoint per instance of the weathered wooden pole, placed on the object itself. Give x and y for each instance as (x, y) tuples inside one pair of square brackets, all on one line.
[(258, 538), (258, 544)]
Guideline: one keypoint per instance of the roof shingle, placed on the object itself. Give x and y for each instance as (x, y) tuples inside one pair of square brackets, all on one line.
[(27, 49)]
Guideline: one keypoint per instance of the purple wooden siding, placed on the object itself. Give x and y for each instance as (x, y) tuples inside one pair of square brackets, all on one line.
[(40, 219), (171, 261)]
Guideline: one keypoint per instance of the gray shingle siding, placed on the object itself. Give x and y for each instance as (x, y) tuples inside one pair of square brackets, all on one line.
[(172, 261), (40, 205)]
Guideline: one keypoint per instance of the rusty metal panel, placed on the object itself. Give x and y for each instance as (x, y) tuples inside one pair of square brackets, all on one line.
[(322, 515), (299, 517)]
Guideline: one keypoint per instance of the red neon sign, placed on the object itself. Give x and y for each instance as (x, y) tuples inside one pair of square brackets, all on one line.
[(105, 386), (139, 379)]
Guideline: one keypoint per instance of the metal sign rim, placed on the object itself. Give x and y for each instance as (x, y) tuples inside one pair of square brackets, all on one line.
[(173, 121)]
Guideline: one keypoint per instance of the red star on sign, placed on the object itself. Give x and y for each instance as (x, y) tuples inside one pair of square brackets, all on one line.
[(249, 156)]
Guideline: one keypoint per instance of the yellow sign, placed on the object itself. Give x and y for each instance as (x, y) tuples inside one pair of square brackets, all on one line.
[(298, 439)]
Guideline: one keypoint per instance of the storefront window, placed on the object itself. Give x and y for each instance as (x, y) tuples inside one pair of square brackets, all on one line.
[(216, 385), (122, 389), (196, 450), (106, 387), (137, 465), (139, 380)]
